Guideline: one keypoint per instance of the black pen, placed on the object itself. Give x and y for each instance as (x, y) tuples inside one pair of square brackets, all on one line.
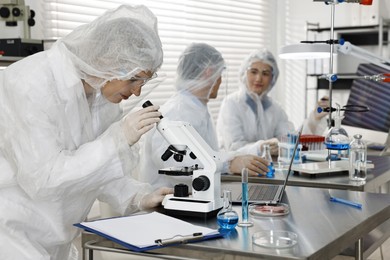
[(179, 239)]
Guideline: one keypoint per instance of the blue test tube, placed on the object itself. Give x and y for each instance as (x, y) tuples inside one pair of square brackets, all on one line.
[(244, 180)]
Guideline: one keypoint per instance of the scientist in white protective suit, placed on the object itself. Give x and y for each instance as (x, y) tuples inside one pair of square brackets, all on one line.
[(199, 76), (64, 140), (249, 118)]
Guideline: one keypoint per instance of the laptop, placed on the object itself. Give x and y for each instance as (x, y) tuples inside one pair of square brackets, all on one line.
[(270, 194)]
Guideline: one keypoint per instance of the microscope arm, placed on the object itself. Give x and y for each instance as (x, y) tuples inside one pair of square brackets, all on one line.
[(206, 181)]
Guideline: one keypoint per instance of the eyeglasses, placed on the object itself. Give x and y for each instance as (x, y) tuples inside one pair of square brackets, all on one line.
[(141, 80), (256, 72)]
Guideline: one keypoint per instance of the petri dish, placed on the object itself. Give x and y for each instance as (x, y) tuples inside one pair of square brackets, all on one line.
[(275, 238), (265, 210)]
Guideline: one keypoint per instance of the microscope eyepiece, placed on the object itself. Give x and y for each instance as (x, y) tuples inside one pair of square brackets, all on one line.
[(168, 153), (178, 157), (192, 155), (147, 103)]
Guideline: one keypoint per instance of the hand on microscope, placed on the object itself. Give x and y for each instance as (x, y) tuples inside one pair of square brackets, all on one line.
[(256, 165), (136, 124), (155, 198)]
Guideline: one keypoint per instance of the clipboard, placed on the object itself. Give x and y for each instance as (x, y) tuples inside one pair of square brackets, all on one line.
[(148, 231)]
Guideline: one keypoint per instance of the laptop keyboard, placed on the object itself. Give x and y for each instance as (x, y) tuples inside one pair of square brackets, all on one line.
[(261, 192)]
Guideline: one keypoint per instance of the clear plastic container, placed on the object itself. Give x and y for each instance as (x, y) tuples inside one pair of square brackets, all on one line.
[(275, 238), (357, 159)]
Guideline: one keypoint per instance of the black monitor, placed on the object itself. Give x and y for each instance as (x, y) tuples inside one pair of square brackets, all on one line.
[(374, 95)]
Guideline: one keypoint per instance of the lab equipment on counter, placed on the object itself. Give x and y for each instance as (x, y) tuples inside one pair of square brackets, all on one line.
[(267, 155), (313, 148), (244, 182), (263, 210), (286, 149), (357, 159), (337, 138), (312, 142), (227, 218), (206, 199)]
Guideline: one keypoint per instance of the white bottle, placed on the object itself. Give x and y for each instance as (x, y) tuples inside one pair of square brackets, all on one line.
[(357, 159)]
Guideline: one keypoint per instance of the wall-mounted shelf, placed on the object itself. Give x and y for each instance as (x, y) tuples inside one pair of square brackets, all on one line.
[(359, 35), (8, 60)]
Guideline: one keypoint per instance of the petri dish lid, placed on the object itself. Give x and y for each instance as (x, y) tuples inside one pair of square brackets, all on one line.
[(275, 238), (265, 210)]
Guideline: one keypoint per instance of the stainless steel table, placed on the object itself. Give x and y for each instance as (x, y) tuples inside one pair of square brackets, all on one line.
[(378, 180), (376, 177), (324, 229)]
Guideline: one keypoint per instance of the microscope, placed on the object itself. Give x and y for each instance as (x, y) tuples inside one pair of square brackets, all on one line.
[(205, 200)]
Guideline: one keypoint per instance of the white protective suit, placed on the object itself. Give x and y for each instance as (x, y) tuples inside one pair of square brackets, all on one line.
[(246, 119), (199, 68), (61, 150)]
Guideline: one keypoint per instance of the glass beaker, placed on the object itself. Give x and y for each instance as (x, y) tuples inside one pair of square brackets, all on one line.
[(337, 138), (267, 155), (227, 218)]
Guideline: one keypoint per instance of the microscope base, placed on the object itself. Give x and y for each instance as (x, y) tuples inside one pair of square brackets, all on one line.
[(191, 207), (192, 214)]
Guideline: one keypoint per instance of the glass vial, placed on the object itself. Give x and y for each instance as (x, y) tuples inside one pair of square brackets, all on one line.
[(267, 155), (357, 159), (227, 218)]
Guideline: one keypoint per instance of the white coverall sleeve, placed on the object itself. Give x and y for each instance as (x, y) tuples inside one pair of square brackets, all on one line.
[(47, 169), (230, 129), (313, 126), (125, 194)]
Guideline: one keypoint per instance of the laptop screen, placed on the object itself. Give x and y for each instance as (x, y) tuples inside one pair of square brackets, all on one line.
[(290, 165)]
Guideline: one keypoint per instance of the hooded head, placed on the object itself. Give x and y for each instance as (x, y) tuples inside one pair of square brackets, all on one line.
[(117, 45), (199, 70), (264, 56)]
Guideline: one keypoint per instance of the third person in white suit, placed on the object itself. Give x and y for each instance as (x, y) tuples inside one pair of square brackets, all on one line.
[(249, 118)]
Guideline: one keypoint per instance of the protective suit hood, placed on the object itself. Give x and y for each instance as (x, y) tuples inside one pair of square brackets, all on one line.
[(117, 45), (264, 56), (199, 68)]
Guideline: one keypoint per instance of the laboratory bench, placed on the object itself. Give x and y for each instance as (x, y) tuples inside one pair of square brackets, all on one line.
[(376, 178), (324, 228), (378, 181)]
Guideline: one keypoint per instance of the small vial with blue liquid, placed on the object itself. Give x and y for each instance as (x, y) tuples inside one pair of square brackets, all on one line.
[(267, 155), (227, 218), (244, 180)]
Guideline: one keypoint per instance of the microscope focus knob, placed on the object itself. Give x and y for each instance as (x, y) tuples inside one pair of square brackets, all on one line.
[(201, 183), (180, 190)]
